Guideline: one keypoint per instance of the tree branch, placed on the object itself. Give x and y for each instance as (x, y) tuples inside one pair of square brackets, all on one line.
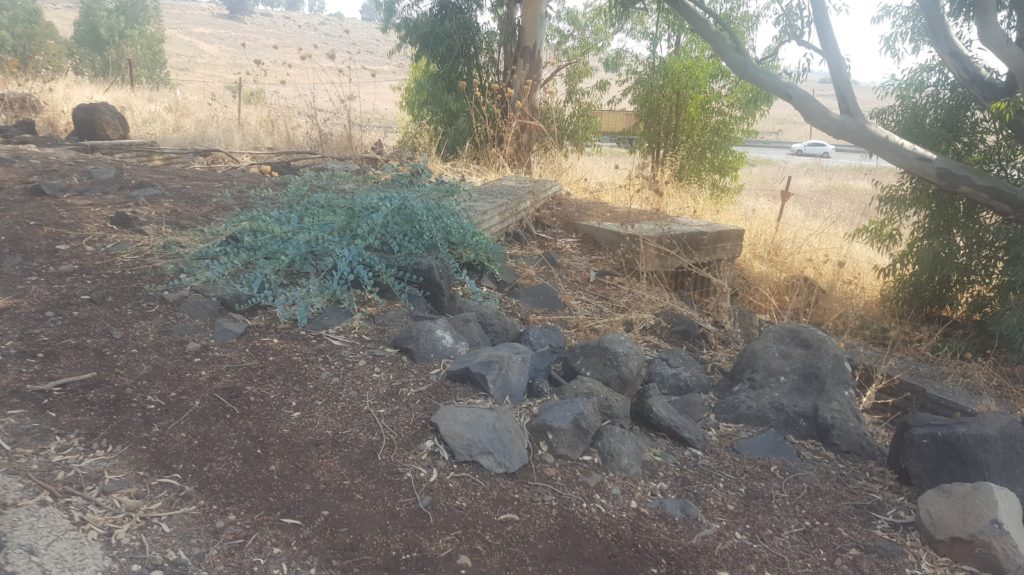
[(975, 79), (558, 70), (998, 195), (837, 66), (992, 36)]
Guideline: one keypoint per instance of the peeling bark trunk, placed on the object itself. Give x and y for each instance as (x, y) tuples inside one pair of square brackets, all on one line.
[(997, 194)]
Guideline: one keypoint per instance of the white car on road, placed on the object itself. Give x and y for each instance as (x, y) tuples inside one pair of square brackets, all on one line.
[(813, 148)]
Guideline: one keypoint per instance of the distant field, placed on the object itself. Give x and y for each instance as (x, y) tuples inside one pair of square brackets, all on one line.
[(301, 60)]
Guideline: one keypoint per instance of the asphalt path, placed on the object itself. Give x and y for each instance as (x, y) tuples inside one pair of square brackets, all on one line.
[(780, 154)]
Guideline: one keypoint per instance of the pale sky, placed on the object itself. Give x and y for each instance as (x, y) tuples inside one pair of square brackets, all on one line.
[(858, 38)]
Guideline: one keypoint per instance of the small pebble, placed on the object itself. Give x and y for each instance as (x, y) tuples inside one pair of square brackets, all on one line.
[(193, 347), (464, 561), (49, 314), (66, 268)]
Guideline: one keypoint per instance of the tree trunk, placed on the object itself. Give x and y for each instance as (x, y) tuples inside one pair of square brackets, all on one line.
[(526, 80), (998, 195)]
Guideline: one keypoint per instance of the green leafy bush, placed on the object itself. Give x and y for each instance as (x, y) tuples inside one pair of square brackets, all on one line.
[(239, 9), (328, 238), (109, 32), (29, 43), (950, 255)]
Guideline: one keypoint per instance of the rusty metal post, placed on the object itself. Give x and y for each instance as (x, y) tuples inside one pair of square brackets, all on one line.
[(784, 197)]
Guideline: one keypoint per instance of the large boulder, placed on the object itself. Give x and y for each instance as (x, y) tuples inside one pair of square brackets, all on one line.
[(567, 426), (614, 360), (620, 450), (676, 372), (429, 341), (795, 379), (491, 437), (98, 121), (502, 371), (930, 450), (653, 409), (977, 524), (611, 405), (25, 127)]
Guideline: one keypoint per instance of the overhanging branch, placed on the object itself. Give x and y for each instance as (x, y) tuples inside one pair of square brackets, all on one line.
[(998, 195), (992, 36), (837, 66)]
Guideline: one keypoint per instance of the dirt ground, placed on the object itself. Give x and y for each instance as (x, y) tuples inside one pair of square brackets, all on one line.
[(290, 452)]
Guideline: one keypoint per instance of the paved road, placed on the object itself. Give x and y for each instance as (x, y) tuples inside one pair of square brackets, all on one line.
[(783, 155)]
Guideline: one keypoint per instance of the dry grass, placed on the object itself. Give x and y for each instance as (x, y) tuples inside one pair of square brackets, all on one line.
[(807, 269), (325, 120)]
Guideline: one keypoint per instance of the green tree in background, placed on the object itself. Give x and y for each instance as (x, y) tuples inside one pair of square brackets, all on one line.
[(462, 86), (29, 43), (109, 32), (690, 108), (949, 254), (368, 12), (295, 5), (317, 6)]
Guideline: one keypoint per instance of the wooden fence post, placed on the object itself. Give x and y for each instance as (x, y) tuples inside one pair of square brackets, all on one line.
[(131, 74)]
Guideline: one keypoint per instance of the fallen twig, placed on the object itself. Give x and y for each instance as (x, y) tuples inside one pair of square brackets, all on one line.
[(559, 491), (177, 421), (4, 445), (419, 499), (59, 382), (227, 403)]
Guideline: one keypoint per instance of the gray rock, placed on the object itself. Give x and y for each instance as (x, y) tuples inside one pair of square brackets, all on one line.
[(768, 445), (676, 372), (977, 524), (540, 338), (653, 409), (748, 323), (230, 297), (567, 426), (678, 509), (98, 121), (51, 189), (491, 437), (795, 379), (101, 180), (193, 347), (541, 297), (611, 405), (614, 360), (501, 371), (681, 328), (431, 341), (695, 406), (504, 279), (129, 220), (499, 327), (199, 308), (435, 281), (114, 486), (333, 316), (229, 328), (548, 345), (930, 450), (538, 389), (620, 450), (470, 328)]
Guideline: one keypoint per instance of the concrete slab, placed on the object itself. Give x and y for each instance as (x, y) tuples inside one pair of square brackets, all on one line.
[(666, 243), (500, 206)]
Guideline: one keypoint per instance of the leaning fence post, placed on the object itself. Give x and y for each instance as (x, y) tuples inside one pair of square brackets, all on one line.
[(131, 74), (784, 196)]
